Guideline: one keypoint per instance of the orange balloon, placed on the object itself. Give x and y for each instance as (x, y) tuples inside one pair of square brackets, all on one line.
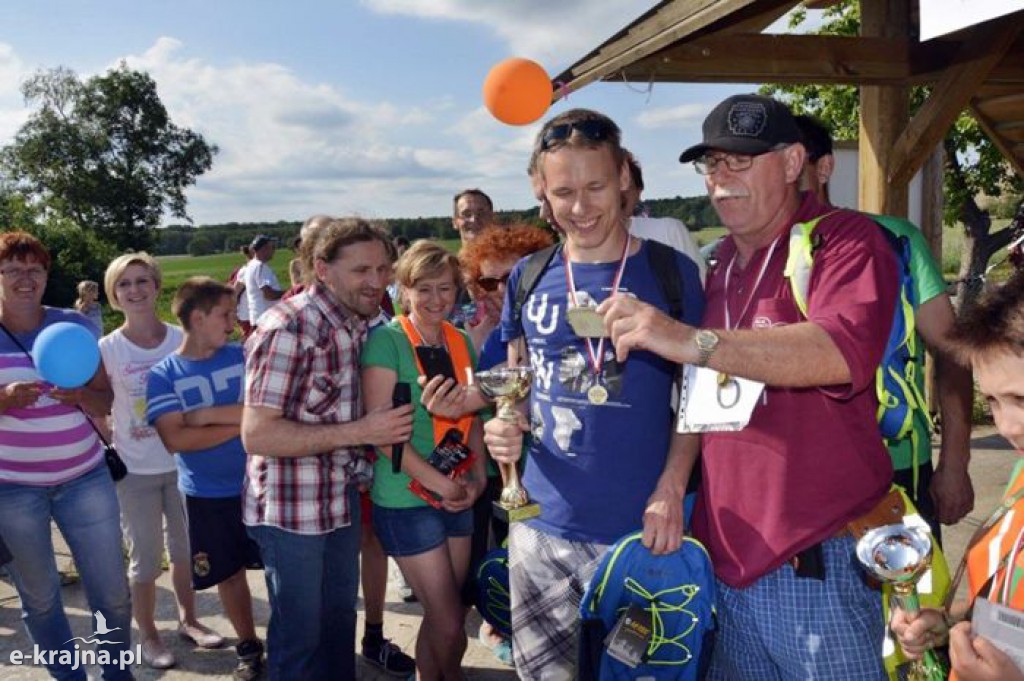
[(517, 91)]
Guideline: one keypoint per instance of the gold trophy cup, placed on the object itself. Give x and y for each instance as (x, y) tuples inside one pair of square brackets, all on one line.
[(507, 385), (899, 555)]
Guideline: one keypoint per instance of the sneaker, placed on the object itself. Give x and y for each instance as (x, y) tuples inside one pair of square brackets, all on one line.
[(200, 635), (389, 658), (156, 655), (250, 660)]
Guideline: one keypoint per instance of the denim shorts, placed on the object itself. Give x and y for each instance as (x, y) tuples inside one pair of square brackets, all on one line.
[(412, 531)]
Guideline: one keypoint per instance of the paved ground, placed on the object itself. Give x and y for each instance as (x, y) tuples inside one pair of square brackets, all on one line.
[(990, 468)]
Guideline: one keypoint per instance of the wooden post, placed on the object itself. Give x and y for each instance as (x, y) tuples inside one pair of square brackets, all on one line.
[(884, 112)]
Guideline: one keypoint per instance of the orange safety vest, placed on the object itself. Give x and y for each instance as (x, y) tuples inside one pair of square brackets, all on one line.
[(987, 558), (458, 349)]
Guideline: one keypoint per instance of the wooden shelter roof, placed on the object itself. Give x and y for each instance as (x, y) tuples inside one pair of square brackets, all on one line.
[(980, 67)]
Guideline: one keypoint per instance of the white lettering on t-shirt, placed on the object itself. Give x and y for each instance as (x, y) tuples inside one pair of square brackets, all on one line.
[(543, 370), (536, 313)]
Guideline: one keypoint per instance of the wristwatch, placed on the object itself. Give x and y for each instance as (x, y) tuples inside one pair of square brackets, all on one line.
[(706, 342)]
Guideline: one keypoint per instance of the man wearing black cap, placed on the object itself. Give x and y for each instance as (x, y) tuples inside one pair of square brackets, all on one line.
[(261, 285), (786, 404)]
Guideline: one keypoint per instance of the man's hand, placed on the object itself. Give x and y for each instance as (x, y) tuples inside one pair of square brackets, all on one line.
[(952, 492), (20, 394), (634, 325), (504, 439), (917, 633), (663, 521), (387, 426), (974, 658)]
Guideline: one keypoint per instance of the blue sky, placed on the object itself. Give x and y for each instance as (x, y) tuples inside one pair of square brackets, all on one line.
[(368, 107)]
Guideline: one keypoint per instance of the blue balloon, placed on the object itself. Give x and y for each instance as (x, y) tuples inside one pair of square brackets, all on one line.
[(66, 354)]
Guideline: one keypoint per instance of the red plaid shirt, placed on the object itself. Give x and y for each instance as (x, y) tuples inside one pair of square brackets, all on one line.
[(303, 360)]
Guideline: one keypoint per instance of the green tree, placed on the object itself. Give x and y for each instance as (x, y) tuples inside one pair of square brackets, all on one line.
[(104, 154), (201, 245), (974, 166)]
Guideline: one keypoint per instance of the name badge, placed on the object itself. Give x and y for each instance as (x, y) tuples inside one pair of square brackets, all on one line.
[(1002, 626), (711, 401)]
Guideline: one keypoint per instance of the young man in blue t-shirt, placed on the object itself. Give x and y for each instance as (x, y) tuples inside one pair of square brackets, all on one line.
[(604, 458), (194, 399)]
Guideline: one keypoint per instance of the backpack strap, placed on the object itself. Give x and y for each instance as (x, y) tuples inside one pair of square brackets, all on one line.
[(662, 261), (535, 265)]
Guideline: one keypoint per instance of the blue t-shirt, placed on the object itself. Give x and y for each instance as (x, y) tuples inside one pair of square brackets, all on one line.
[(179, 384), (493, 352), (593, 466)]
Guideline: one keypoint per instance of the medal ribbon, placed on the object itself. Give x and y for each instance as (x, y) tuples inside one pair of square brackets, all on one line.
[(753, 290), (596, 358)]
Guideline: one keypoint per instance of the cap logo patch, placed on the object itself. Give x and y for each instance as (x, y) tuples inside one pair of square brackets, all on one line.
[(747, 119)]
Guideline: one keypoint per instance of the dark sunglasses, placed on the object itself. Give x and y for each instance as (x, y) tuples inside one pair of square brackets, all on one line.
[(491, 283), (593, 129)]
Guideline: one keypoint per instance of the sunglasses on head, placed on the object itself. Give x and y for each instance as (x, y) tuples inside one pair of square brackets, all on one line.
[(491, 283), (593, 129)]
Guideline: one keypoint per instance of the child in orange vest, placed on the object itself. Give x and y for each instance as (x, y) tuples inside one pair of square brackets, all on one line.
[(991, 338)]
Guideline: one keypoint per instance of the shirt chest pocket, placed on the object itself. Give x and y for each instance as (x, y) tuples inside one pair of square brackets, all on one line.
[(771, 312), (332, 397)]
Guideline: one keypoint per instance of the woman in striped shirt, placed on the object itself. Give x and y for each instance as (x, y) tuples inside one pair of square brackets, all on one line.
[(52, 468)]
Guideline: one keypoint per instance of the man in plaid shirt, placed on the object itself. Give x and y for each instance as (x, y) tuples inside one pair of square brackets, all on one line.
[(304, 429)]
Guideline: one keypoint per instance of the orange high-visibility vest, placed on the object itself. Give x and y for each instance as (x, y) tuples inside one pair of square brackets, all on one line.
[(985, 558), (458, 349)]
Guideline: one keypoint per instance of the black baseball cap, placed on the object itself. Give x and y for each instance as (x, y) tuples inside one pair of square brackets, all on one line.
[(260, 241), (746, 124)]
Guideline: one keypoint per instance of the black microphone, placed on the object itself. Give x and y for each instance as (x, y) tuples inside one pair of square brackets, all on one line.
[(401, 395)]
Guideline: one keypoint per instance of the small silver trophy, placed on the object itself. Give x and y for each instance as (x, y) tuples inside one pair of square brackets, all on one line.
[(507, 385), (899, 555)]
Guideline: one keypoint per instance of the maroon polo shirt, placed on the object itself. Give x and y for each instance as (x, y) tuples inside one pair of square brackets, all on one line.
[(811, 460)]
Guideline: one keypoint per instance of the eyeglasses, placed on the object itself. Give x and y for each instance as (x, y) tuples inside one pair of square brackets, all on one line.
[(708, 163), (35, 272), (491, 283), (594, 130)]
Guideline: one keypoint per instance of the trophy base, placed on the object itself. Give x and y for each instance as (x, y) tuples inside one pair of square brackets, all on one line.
[(514, 515)]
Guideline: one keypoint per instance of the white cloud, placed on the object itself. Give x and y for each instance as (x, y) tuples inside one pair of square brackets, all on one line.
[(675, 117), (289, 147), (12, 108), (553, 33)]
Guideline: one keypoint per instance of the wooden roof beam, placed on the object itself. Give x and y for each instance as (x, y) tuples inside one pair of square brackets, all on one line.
[(949, 97), (656, 29), (778, 59), (1012, 152)]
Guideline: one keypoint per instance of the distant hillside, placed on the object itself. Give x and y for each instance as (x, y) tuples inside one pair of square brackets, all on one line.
[(695, 212)]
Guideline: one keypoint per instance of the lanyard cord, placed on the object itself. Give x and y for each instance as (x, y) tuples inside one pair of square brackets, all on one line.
[(596, 357), (753, 290)]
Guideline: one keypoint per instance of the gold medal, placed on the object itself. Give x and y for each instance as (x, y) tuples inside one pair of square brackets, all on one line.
[(586, 322), (597, 394)]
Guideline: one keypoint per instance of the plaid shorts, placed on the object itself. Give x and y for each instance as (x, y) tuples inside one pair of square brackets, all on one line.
[(785, 627), (548, 576)]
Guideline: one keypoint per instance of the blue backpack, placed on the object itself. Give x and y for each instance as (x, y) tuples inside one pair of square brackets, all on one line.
[(492, 591), (676, 590)]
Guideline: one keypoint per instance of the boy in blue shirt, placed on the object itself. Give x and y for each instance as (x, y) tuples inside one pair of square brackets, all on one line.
[(194, 399)]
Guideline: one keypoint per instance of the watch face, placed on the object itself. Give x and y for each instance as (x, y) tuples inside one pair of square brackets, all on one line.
[(706, 340)]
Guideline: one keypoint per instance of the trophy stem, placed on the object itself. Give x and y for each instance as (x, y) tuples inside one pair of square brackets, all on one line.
[(905, 596), (514, 503)]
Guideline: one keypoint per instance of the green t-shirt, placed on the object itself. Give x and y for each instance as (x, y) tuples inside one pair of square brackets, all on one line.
[(388, 347), (929, 282)]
